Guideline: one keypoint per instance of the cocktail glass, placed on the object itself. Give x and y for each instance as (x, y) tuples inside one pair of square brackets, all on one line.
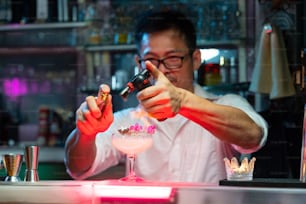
[(132, 141)]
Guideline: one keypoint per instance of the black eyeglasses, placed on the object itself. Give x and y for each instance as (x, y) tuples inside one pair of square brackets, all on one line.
[(173, 62)]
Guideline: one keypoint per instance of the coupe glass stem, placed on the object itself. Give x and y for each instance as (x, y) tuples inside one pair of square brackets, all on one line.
[(131, 165)]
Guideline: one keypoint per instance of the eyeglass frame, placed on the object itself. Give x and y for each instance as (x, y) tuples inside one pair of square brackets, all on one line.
[(162, 61)]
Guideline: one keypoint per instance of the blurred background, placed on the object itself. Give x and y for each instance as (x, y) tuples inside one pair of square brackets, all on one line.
[(54, 53)]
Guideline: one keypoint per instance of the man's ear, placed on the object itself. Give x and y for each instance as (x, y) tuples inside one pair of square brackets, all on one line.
[(196, 56)]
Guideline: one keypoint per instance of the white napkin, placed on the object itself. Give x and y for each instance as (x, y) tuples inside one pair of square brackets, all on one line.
[(271, 73)]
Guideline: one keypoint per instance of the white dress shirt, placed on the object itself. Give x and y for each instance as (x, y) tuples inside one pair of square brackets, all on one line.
[(182, 150)]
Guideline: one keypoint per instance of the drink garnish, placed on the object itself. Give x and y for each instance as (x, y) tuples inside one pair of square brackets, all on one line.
[(137, 128)]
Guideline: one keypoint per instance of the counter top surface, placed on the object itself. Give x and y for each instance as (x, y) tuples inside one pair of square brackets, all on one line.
[(71, 192)]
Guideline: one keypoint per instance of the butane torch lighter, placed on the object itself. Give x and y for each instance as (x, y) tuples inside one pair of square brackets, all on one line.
[(138, 82)]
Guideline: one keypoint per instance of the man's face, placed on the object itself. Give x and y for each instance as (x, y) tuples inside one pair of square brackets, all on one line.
[(165, 44)]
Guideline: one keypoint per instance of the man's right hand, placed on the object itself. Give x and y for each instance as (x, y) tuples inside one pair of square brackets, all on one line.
[(92, 117)]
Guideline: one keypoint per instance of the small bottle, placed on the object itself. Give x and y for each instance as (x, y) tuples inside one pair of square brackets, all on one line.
[(43, 125), (212, 74), (41, 10), (233, 71), (224, 70)]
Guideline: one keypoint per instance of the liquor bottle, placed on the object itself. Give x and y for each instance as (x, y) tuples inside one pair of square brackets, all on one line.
[(224, 70), (5, 11), (52, 11), (42, 10), (233, 71)]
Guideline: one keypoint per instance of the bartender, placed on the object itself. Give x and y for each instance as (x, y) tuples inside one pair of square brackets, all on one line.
[(195, 130)]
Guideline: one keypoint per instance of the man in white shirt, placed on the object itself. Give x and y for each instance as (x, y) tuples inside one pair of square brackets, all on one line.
[(200, 130)]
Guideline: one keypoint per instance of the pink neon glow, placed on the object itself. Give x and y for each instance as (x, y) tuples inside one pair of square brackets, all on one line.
[(45, 87), (33, 87), (134, 192), (15, 87)]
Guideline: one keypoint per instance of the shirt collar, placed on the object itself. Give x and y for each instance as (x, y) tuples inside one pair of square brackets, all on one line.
[(199, 90)]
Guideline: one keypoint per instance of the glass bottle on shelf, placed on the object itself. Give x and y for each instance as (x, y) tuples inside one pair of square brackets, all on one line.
[(233, 70), (224, 70), (212, 74)]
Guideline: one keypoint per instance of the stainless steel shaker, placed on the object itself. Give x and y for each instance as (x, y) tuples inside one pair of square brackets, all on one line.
[(31, 153)]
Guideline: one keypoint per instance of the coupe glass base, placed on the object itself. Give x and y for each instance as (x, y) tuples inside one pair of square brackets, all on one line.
[(132, 179)]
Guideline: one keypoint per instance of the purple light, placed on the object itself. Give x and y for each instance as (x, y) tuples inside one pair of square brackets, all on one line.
[(45, 87), (15, 87)]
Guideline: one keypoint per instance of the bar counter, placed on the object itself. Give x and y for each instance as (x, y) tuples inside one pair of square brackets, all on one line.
[(114, 191)]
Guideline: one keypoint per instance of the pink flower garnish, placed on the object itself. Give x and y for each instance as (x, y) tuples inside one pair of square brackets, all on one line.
[(137, 128), (151, 129)]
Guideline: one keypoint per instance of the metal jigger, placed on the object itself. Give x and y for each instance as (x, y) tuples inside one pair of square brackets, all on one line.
[(31, 161), (12, 164)]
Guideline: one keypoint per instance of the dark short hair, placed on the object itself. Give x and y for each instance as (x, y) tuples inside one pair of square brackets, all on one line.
[(155, 21)]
